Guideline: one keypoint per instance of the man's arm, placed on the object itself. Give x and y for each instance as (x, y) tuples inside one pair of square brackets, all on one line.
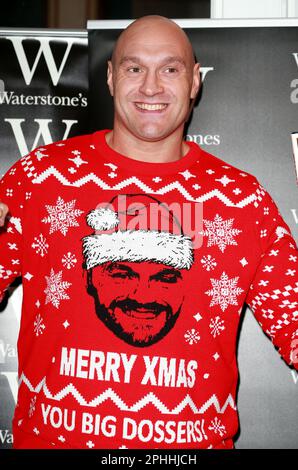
[(11, 216), (273, 294)]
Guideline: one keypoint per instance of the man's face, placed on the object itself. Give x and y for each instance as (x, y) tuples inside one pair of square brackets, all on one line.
[(139, 302), (153, 78)]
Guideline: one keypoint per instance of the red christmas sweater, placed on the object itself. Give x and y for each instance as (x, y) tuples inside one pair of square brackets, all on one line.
[(134, 278)]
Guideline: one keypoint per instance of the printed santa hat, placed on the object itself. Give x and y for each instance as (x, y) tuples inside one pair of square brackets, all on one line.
[(116, 237)]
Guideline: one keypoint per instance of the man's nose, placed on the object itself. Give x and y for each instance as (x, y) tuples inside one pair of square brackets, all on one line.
[(151, 84), (142, 291)]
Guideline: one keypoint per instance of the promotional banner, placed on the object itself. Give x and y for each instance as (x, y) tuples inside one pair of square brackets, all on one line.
[(245, 115), (43, 99)]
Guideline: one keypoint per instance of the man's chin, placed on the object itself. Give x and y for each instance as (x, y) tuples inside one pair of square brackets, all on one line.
[(139, 328), (151, 133)]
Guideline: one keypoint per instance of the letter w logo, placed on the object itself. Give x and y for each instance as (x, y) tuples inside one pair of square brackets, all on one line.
[(46, 51), (43, 132)]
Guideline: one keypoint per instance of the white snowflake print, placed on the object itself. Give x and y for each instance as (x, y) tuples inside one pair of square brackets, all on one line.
[(69, 260), (217, 427), (186, 174), (62, 216), (216, 326), (220, 232), (290, 272), (40, 155), (32, 406), (12, 246), (224, 180), (56, 288), (90, 444), (192, 336), (208, 262), (40, 245), (38, 325), (77, 160), (224, 291), (156, 179)]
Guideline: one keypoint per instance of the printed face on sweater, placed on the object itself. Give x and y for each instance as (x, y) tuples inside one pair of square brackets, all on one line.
[(152, 77), (139, 302)]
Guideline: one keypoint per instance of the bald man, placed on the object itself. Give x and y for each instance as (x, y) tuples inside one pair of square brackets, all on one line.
[(137, 259), (153, 82)]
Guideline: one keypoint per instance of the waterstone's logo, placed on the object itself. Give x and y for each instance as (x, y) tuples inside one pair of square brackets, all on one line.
[(46, 57)]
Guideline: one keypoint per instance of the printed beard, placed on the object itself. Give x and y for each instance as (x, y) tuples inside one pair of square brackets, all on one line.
[(140, 327)]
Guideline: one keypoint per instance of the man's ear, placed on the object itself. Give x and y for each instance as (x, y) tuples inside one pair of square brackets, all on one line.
[(110, 77), (196, 81)]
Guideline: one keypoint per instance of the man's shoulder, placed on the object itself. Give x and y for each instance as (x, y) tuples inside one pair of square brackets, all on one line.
[(224, 172), (62, 149), (219, 180), (64, 156)]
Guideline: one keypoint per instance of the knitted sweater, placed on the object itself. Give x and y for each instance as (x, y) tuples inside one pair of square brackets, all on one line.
[(134, 278)]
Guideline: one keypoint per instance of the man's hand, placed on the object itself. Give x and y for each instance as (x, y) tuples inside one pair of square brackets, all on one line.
[(3, 213)]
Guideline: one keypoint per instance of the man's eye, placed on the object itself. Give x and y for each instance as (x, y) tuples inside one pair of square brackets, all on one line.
[(171, 70), (121, 275), (134, 69), (171, 279)]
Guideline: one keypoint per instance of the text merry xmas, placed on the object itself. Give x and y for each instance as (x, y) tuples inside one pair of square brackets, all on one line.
[(118, 367)]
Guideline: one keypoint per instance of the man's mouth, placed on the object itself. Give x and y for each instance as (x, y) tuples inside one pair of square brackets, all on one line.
[(151, 107), (141, 313)]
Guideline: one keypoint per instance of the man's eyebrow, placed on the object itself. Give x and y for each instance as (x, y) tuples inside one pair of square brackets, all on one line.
[(129, 58), (166, 60), (118, 266), (166, 271), (174, 58)]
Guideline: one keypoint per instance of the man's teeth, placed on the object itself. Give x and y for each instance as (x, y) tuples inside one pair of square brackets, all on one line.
[(151, 107)]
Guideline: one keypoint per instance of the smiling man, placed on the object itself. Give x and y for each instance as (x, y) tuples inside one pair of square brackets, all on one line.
[(153, 82), (141, 313), (140, 295)]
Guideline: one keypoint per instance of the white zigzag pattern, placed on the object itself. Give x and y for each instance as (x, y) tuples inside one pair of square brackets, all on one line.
[(148, 399), (91, 177)]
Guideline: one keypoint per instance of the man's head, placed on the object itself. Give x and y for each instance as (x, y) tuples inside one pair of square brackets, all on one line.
[(139, 302), (153, 77)]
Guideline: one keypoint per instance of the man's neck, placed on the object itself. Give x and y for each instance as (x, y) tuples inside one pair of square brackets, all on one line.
[(166, 150)]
